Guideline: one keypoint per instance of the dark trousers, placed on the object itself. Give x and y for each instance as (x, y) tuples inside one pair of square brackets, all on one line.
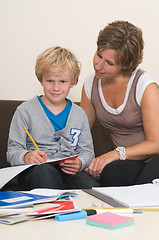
[(51, 176), (129, 172)]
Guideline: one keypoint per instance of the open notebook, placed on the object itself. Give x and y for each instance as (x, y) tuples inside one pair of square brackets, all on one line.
[(136, 196)]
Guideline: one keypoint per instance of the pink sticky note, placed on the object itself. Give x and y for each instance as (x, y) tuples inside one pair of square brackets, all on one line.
[(109, 220)]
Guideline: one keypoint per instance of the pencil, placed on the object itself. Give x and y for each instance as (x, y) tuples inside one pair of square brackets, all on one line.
[(31, 138), (151, 209)]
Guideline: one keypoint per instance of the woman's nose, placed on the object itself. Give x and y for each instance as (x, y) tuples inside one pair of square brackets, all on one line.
[(99, 64)]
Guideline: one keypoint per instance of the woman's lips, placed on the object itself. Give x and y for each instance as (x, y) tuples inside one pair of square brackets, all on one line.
[(98, 73)]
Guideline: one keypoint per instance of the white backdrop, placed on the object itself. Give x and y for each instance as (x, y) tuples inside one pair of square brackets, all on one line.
[(27, 27)]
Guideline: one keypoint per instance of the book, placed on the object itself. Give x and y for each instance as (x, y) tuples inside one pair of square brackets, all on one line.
[(14, 219), (58, 193), (37, 211), (53, 193), (136, 196), (13, 199), (57, 160), (8, 173), (109, 220), (58, 206), (42, 211), (14, 211)]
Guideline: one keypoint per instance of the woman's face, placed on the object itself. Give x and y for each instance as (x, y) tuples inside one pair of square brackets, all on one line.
[(105, 65)]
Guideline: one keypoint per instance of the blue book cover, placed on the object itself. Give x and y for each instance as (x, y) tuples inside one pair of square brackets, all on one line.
[(12, 199)]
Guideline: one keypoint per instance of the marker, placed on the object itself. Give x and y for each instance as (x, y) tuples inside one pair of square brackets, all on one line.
[(71, 216), (31, 139)]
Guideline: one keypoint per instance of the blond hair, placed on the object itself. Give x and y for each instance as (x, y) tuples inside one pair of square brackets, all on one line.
[(57, 58)]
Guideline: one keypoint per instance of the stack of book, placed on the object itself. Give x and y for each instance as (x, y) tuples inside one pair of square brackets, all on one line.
[(37, 204)]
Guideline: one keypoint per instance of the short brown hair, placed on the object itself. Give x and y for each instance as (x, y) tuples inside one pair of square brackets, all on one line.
[(127, 40), (57, 58)]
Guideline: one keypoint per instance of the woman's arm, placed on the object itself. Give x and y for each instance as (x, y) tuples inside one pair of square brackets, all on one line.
[(150, 117), (88, 108), (143, 150)]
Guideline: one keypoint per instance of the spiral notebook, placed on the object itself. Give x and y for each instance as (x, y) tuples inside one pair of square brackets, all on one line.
[(136, 196)]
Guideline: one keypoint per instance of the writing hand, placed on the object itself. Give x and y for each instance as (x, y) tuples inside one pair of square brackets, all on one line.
[(35, 157)]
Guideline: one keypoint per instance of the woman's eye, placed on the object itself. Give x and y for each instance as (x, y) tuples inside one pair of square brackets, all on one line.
[(98, 54), (109, 63)]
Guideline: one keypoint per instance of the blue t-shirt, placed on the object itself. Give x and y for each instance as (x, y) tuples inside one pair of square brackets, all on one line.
[(58, 121)]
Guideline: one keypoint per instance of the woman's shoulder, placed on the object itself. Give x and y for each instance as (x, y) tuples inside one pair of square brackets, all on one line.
[(145, 77), (77, 109), (144, 80), (88, 85)]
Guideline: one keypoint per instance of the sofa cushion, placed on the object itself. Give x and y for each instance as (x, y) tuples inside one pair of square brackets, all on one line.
[(7, 109)]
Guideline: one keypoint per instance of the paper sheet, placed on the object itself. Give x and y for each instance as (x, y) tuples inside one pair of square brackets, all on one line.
[(6, 174)]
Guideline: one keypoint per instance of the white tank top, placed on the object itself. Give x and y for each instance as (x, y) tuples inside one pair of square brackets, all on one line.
[(144, 80)]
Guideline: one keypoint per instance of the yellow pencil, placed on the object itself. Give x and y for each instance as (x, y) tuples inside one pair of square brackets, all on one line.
[(143, 209), (150, 209), (31, 138)]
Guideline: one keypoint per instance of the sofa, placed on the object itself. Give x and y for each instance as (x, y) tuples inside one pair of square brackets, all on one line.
[(101, 137)]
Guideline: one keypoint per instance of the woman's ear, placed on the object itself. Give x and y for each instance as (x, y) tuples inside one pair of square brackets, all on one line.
[(125, 68)]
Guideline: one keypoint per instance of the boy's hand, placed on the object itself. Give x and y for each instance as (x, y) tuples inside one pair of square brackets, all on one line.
[(71, 167), (35, 157)]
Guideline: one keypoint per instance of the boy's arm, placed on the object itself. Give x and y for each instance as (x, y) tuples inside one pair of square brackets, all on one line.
[(17, 140), (84, 150), (17, 153), (85, 145)]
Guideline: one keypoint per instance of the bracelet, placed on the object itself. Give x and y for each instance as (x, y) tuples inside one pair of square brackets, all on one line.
[(121, 151)]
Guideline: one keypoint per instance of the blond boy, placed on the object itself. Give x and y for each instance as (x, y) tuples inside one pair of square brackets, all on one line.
[(59, 127)]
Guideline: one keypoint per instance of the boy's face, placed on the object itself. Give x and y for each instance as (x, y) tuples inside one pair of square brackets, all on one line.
[(56, 87)]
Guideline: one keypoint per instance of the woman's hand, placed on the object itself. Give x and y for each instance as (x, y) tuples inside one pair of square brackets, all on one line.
[(35, 157), (71, 166), (97, 164)]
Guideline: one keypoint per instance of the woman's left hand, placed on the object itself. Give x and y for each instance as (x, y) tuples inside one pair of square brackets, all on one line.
[(71, 166), (97, 164)]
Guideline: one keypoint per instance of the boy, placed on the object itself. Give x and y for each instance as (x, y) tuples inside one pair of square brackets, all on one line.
[(59, 127)]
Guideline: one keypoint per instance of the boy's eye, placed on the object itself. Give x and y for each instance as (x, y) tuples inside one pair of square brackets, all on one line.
[(62, 81), (49, 80)]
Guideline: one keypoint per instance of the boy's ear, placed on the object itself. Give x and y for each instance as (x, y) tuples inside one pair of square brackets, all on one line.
[(72, 85)]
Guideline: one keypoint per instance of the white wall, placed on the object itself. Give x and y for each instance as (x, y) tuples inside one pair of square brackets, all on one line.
[(27, 27)]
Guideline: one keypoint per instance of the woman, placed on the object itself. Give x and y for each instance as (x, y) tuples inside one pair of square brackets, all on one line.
[(125, 99)]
